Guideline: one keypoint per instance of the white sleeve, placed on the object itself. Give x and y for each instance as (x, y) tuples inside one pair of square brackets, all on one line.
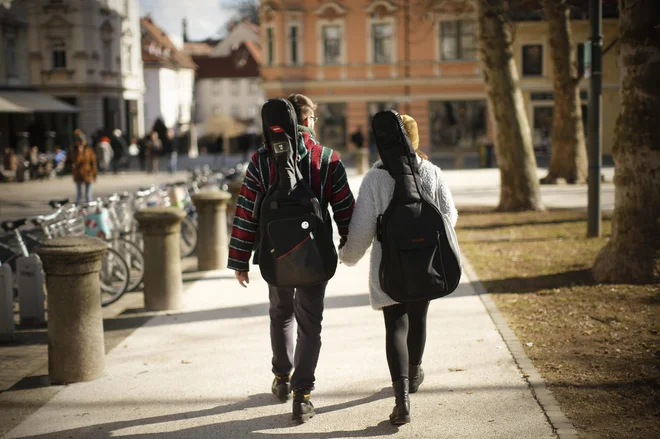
[(362, 230), (445, 199)]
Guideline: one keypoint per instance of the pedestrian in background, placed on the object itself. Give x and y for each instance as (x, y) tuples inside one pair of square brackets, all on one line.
[(154, 148), (357, 139), (104, 154), (84, 166), (119, 150), (133, 151), (174, 151), (9, 165)]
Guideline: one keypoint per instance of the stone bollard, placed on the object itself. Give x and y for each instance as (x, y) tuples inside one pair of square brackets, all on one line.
[(213, 246), (161, 229), (362, 160), (6, 304), (76, 350)]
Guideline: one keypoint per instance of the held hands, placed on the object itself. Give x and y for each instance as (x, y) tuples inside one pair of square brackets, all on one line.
[(243, 278)]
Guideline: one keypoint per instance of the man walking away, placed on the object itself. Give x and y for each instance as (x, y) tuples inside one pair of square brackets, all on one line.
[(326, 176), (119, 150), (357, 139)]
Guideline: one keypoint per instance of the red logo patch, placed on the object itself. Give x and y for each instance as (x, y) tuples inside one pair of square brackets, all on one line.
[(276, 129), (418, 240)]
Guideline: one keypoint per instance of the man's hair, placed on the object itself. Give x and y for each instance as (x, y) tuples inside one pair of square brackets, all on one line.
[(303, 106)]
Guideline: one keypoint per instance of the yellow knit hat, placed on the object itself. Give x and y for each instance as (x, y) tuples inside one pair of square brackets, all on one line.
[(411, 128)]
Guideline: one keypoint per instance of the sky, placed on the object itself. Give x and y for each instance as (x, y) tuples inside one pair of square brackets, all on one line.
[(205, 17)]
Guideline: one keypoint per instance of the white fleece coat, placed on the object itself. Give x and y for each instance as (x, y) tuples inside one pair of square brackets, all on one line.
[(374, 197)]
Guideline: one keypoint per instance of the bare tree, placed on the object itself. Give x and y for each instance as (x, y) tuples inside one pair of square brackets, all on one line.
[(244, 9), (513, 142), (569, 153), (633, 253)]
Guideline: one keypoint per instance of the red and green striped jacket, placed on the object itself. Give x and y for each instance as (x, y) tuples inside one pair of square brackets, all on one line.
[(319, 166)]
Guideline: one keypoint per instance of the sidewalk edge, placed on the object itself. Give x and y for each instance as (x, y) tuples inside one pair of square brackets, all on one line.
[(561, 425)]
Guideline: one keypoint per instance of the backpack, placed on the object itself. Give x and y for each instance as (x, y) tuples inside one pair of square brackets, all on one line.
[(294, 240), (421, 259)]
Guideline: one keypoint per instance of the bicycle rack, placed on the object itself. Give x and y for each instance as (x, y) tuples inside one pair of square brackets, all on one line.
[(6, 304), (30, 280)]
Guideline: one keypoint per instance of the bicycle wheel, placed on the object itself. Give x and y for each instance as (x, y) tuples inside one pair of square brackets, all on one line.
[(114, 277), (188, 237), (134, 257)]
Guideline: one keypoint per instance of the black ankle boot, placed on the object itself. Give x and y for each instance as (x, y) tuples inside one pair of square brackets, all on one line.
[(416, 374), (401, 413), (303, 409), (281, 387)]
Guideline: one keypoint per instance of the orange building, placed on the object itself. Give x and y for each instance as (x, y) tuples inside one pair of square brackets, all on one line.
[(356, 57)]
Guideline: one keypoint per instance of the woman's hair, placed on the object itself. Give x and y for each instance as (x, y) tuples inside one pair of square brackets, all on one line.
[(413, 133), (303, 106)]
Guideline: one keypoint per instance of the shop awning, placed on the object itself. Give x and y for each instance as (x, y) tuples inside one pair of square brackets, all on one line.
[(32, 102)]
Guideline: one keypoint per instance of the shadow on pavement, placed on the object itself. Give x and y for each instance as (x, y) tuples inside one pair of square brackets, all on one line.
[(233, 428), (237, 312)]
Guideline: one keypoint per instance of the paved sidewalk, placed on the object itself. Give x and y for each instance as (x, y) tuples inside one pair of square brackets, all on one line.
[(205, 373)]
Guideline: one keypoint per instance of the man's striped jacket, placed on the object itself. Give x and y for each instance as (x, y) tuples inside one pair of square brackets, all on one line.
[(319, 166)]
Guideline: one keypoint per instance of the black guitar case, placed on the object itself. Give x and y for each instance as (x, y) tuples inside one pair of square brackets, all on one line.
[(421, 259), (295, 247)]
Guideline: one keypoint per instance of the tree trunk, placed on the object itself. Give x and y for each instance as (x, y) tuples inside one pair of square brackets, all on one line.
[(513, 142), (632, 254), (569, 153)]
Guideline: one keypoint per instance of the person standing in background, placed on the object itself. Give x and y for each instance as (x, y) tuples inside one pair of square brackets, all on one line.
[(154, 147), (84, 166), (119, 148)]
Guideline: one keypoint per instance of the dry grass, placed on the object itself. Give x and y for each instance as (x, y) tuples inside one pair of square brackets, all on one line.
[(597, 346)]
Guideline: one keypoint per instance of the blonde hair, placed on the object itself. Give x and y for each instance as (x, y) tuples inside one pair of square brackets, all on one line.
[(413, 133)]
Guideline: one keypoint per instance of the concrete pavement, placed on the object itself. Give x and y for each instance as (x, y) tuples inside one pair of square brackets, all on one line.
[(205, 373)]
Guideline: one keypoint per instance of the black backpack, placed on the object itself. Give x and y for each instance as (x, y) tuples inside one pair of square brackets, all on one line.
[(421, 260), (294, 242)]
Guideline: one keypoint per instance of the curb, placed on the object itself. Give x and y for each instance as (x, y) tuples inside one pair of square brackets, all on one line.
[(562, 426)]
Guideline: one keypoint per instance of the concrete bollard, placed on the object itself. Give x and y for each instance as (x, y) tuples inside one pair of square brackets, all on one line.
[(76, 350), (163, 284), (30, 282), (362, 160), (6, 304), (213, 246)]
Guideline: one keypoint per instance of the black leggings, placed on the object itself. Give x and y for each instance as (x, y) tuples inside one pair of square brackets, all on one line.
[(405, 336)]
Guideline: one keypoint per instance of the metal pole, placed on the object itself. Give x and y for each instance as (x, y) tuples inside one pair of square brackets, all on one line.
[(595, 118)]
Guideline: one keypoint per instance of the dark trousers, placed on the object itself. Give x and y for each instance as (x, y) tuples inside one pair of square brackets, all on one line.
[(306, 305), (405, 336)]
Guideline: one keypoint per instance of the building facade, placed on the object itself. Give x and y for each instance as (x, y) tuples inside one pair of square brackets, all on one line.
[(355, 58), (169, 75), (87, 53), (228, 92)]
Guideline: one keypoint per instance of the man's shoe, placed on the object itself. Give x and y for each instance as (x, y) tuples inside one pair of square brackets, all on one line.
[(401, 413), (281, 387), (416, 374), (303, 409)]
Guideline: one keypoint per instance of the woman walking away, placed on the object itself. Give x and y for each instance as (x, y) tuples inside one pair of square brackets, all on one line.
[(405, 323), (84, 166)]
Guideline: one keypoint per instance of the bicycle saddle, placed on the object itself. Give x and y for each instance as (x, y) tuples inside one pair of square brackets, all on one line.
[(10, 226), (57, 203)]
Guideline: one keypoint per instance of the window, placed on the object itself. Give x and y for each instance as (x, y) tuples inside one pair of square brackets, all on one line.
[(382, 43), (254, 88), (332, 124), (107, 55), (457, 40), (10, 44), (580, 60), (294, 44), (270, 42), (331, 37), (216, 87), (129, 58), (235, 87), (235, 112), (532, 60), (58, 48), (216, 110), (456, 123)]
